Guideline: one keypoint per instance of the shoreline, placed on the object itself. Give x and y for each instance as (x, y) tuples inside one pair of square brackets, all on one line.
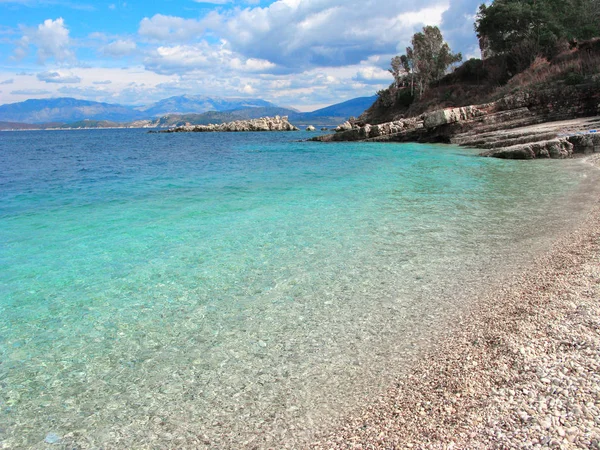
[(520, 370)]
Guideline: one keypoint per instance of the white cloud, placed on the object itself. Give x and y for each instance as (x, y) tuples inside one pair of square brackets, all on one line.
[(182, 58), (9, 81), (372, 75), (51, 39), (58, 77), (170, 28), (457, 27), (119, 48), (308, 33), (247, 89)]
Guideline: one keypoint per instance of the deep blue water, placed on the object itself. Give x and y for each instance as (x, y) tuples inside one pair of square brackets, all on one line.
[(222, 289)]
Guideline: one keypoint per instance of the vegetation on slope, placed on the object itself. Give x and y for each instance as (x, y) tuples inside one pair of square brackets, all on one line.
[(528, 45)]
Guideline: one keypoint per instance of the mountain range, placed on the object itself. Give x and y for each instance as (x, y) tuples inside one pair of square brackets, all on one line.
[(194, 109)]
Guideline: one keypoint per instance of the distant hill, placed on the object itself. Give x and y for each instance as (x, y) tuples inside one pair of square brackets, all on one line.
[(354, 107), (218, 117), (37, 111), (72, 113), (28, 126), (92, 124), (65, 110), (197, 104)]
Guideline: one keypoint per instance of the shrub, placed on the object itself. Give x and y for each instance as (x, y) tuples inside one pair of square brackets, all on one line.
[(404, 97), (574, 78)]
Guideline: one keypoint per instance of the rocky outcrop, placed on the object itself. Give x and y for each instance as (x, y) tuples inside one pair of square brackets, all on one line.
[(276, 123), (310, 128), (558, 148), (586, 143), (451, 115), (501, 128), (346, 126)]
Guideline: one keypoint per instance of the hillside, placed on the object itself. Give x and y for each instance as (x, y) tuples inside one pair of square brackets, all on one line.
[(197, 104), (72, 113), (349, 108), (28, 126), (477, 82), (65, 110)]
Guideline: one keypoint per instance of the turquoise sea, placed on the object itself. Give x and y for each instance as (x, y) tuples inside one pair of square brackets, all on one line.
[(239, 290)]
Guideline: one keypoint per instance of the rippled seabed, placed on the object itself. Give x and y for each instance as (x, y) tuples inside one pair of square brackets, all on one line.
[(229, 290)]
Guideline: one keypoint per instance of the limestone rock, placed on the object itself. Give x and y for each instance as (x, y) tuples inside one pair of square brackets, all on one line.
[(310, 128), (554, 148), (450, 115), (585, 143), (346, 126), (276, 123)]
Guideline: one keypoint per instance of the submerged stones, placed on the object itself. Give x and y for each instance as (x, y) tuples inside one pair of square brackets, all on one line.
[(276, 123), (52, 438)]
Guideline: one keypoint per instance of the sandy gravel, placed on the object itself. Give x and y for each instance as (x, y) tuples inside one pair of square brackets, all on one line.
[(522, 369)]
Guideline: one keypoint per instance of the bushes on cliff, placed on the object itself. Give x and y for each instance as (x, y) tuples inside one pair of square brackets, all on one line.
[(525, 29)]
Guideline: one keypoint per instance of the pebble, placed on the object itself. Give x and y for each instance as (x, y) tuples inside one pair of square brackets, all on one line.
[(542, 388), (52, 438)]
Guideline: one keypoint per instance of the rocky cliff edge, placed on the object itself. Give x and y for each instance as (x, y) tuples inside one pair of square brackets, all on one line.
[(545, 124)]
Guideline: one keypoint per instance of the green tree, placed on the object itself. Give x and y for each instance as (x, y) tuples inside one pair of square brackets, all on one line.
[(432, 56), (425, 62), (524, 29)]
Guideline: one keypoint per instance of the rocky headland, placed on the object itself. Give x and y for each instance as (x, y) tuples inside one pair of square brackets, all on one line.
[(555, 123), (276, 123)]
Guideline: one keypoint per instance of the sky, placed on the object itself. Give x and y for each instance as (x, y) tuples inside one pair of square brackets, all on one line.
[(300, 53)]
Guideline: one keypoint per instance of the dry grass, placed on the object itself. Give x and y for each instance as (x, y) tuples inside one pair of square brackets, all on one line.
[(580, 64)]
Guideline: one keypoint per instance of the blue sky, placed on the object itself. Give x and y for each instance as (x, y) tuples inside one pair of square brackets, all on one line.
[(301, 53)]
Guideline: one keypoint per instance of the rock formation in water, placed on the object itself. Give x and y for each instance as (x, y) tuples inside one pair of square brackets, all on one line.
[(310, 128), (276, 123), (523, 126)]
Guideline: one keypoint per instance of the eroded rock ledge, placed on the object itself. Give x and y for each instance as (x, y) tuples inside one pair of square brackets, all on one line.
[(522, 126), (276, 123)]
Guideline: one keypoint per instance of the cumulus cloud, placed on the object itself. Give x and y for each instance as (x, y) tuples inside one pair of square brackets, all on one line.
[(170, 28), (51, 38), (9, 81), (119, 48), (102, 82), (300, 34), (457, 27), (182, 58), (310, 33), (58, 77), (372, 75)]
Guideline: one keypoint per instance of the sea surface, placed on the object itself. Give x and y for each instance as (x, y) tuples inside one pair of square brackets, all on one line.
[(233, 290)]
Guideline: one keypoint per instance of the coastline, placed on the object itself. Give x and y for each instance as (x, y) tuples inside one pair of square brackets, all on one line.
[(520, 370)]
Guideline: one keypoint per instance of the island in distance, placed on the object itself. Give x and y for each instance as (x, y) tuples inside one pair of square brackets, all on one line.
[(276, 123)]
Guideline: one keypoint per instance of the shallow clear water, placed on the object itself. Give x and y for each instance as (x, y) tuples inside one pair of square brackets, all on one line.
[(239, 289)]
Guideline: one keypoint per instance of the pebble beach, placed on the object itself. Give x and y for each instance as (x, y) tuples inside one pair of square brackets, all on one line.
[(521, 369)]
